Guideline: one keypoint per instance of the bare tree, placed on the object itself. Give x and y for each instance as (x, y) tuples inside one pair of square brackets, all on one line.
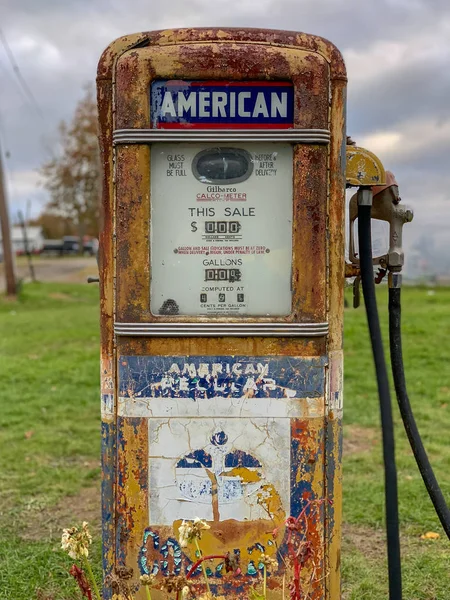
[(73, 177)]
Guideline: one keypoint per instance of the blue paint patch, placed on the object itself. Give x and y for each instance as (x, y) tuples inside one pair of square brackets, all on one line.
[(155, 537), (233, 588), (301, 489), (107, 406), (256, 546), (121, 534), (197, 459), (219, 439), (108, 449), (199, 377), (239, 458)]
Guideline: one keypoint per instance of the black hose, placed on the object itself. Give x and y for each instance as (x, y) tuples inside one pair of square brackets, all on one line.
[(390, 471), (395, 340)]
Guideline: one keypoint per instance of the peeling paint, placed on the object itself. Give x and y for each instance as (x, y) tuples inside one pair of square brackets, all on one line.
[(336, 383), (242, 472)]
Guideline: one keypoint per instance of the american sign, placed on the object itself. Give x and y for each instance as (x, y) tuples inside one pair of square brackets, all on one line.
[(213, 104)]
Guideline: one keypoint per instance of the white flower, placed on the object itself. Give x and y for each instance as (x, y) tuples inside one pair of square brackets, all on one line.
[(199, 524), (76, 542), (185, 530), (185, 592), (189, 530), (147, 580), (268, 562)]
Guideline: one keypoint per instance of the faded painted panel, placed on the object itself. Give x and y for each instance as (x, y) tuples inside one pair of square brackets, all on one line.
[(258, 387), (214, 468), (218, 406), (198, 377), (236, 441)]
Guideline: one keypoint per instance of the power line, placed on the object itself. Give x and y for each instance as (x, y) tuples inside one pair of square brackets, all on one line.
[(23, 88), (6, 166), (15, 67), (4, 69)]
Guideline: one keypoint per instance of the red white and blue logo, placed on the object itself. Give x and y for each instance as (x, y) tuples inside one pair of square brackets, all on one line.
[(216, 104)]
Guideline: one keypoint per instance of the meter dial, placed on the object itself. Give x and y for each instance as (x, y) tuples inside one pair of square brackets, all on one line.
[(222, 165)]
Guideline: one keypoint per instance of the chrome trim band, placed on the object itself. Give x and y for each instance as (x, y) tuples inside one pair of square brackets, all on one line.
[(145, 136), (221, 329)]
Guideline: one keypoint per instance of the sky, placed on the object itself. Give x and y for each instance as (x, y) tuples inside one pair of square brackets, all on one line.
[(397, 54)]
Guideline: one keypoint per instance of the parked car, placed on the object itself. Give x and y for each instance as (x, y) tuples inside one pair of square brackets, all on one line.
[(71, 244), (90, 247), (52, 247)]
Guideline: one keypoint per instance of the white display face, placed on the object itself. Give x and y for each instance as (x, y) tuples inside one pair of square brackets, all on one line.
[(221, 229)]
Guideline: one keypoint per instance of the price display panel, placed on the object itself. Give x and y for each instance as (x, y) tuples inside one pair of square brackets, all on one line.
[(221, 229)]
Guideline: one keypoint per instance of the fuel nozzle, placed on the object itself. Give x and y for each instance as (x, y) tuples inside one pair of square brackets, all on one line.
[(386, 206)]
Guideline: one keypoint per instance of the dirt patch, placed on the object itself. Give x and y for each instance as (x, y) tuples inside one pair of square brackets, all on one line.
[(61, 296), (369, 541), (74, 269), (360, 439), (372, 542), (48, 523)]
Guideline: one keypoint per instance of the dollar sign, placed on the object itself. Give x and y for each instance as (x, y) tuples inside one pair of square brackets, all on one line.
[(194, 226)]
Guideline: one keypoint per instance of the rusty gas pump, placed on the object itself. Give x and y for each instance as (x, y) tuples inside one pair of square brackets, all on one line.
[(222, 302)]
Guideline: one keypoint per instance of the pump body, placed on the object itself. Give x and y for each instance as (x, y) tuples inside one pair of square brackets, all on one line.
[(221, 276)]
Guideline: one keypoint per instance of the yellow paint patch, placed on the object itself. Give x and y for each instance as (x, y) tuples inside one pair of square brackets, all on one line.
[(247, 475)]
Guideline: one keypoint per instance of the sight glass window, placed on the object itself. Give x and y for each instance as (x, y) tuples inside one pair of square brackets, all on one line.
[(222, 165)]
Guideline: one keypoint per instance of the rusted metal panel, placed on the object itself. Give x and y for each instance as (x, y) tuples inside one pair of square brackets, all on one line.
[(312, 531), (309, 235), (135, 70), (131, 514), (132, 231), (335, 299), (248, 346), (261, 37), (107, 362)]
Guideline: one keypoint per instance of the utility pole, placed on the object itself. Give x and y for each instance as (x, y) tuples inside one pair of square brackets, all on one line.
[(26, 246), (8, 256)]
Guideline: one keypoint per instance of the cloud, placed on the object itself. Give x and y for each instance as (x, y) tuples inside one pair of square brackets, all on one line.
[(399, 79), (382, 142), (25, 193), (38, 51), (423, 142), (397, 54)]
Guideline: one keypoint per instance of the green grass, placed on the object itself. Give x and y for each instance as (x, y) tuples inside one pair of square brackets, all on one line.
[(426, 336), (49, 427), (50, 442)]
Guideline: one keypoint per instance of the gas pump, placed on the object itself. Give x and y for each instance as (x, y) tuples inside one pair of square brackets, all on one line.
[(221, 276), (222, 304)]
